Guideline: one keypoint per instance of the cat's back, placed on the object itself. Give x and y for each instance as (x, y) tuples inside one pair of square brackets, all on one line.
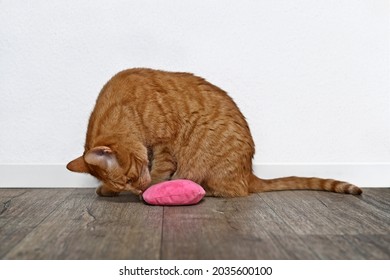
[(162, 103), (139, 84)]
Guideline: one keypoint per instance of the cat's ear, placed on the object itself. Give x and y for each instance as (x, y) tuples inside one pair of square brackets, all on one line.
[(102, 157), (78, 165)]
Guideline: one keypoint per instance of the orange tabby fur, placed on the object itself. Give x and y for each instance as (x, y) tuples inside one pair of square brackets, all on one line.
[(149, 126)]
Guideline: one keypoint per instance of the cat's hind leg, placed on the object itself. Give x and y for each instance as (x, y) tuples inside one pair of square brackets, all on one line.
[(225, 187)]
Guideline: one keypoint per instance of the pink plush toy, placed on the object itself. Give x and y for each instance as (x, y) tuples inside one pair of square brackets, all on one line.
[(175, 192)]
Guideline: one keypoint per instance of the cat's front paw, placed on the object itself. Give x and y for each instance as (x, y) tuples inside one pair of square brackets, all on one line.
[(103, 191), (133, 190)]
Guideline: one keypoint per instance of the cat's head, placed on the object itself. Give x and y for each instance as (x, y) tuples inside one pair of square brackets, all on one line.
[(117, 172)]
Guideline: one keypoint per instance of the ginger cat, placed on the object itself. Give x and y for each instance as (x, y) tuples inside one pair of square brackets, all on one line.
[(149, 126)]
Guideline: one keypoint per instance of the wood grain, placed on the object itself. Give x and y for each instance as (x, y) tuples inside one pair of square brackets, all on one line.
[(76, 224), (85, 226), (23, 210), (238, 228)]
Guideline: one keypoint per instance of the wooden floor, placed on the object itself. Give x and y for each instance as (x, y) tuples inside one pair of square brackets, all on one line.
[(76, 224)]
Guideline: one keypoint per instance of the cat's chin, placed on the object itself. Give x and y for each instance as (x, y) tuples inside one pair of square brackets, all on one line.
[(102, 191)]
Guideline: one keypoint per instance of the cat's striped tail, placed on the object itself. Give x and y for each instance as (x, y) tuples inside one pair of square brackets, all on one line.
[(302, 183)]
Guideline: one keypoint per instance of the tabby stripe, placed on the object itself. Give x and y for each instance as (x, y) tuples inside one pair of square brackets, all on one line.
[(342, 187), (102, 118)]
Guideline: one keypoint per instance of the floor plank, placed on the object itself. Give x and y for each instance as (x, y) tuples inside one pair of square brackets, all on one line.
[(239, 228), (315, 212), (296, 208), (23, 210), (76, 224), (353, 215), (377, 197), (330, 222), (354, 246), (371, 246), (88, 227)]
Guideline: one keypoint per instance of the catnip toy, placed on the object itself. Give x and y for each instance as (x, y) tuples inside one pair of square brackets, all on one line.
[(175, 192)]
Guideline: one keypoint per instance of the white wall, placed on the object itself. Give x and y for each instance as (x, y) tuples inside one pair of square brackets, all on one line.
[(312, 77)]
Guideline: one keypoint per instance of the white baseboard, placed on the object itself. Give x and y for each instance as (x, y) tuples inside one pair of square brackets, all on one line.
[(43, 176), (56, 175)]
